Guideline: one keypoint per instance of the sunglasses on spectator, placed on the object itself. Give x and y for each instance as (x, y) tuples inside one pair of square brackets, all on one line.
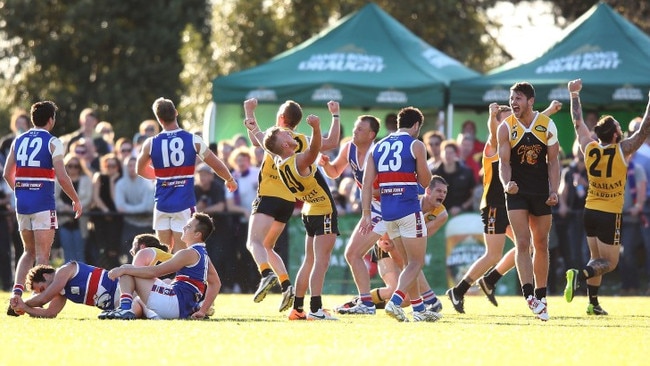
[(126, 149), (75, 166), (80, 152)]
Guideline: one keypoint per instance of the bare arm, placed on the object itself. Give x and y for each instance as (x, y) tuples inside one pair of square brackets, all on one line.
[(369, 175), (422, 169), (61, 277), (66, 185), (9, 173), (305, 159), (505, 170), (552, 108), (182, 258), (249, 112), (335, 168), (332, 140), (434, 225), (582, 132), (553, 157), (221, 169), (491, 143), (143, 164), (53, 308), (211, 292), (634, 142)]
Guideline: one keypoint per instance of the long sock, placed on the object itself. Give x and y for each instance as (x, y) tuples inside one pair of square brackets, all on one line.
[(461, 288), (299, 304), (418, 304), (527, 290), (19, 289), (366, 299), (592, 292), (540, 292), (285, 284), (585, 273), (398, 297), (429, 297), (492, 277), (376, 297), (265, 270), (126, 301), (315, 303)]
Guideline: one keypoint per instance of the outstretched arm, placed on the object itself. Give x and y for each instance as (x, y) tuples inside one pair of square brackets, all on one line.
[(582, 132), (249, 113), (505, 169), (306, 158), (331, 141), (635, 141)]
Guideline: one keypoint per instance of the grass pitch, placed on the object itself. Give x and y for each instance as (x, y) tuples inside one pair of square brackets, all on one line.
[(244, 333)]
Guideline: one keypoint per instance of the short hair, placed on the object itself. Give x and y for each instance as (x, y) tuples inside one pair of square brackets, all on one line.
[(15, 116), (271, 140), (205, 224), (525, 88), (150, 241), (164, 110), (240, 151), (87, 112), (469, 122), (37, 274), (407, 117), (42, 112), (503, 109), (373, 122), (292, 113), (450, 143), (142, 128), (605, 128), (435, 179), (433, 133), (390, 122)]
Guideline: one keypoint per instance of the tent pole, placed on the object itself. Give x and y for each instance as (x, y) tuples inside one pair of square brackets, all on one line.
[(450, 119)]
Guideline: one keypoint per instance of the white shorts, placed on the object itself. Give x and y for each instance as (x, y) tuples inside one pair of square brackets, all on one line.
[(162, 300), (173, 221), (409, 226), (44, 220), (378, 225)]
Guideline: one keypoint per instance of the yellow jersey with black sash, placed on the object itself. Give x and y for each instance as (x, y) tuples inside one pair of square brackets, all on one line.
[(432, 214), (607, 175), (311, 189), (493, 194), (528, 151), (269, 182)]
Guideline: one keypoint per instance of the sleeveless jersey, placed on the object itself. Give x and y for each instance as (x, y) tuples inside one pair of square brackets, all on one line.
[(312, 189), (398, 186), (35, 175), (358, 168), (161, 256), (173, 156), (91, 286), (493, 194), (529, 147), (432, 214), (269, 182), (607, 175), (190, 283)]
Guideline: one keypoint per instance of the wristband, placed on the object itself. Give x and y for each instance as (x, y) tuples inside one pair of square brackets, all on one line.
[(335, 116), (575, 94)]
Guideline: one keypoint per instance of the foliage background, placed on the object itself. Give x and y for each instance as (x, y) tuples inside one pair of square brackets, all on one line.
[(118, 56)]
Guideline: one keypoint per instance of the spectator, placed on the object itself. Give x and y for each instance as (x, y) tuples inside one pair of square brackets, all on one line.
[(108, 226), (459, 177), (124, 149), (433, 140), (73, 233), (466, 145), (239, 140), (224, 149), (469, 127), (86, 153), (147, 128), (19, 124), (87, 122), (134, 199), (105, 131)]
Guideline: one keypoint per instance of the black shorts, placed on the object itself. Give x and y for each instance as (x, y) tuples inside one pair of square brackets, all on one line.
[(316, 225), (376, 253), (495, 220), (606, 226), (535, 204), (281, 210)]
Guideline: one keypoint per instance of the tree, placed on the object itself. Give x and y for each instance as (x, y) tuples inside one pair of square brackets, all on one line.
[(115, 56)]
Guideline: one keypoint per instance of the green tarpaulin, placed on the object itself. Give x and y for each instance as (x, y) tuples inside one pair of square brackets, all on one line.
[(609, 53), (367, 59)]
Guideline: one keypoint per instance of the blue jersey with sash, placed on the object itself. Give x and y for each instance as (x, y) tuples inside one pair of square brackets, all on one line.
[(395, 166), (190, 283), (173, 156), (34, 172), (91, 286)]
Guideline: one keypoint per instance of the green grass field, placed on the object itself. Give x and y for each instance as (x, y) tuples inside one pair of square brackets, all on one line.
[(244, 333)]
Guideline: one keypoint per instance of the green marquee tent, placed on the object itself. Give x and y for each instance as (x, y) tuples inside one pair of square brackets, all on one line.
[(366, 60), (609, 53)]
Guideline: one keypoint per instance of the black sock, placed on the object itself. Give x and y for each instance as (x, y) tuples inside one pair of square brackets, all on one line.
[(461, 288), (315, 303), (527, 290), (492, 277), (285, 284), (266, 272), (587, 272), (540, 293), (592, 292), (299, 304)]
